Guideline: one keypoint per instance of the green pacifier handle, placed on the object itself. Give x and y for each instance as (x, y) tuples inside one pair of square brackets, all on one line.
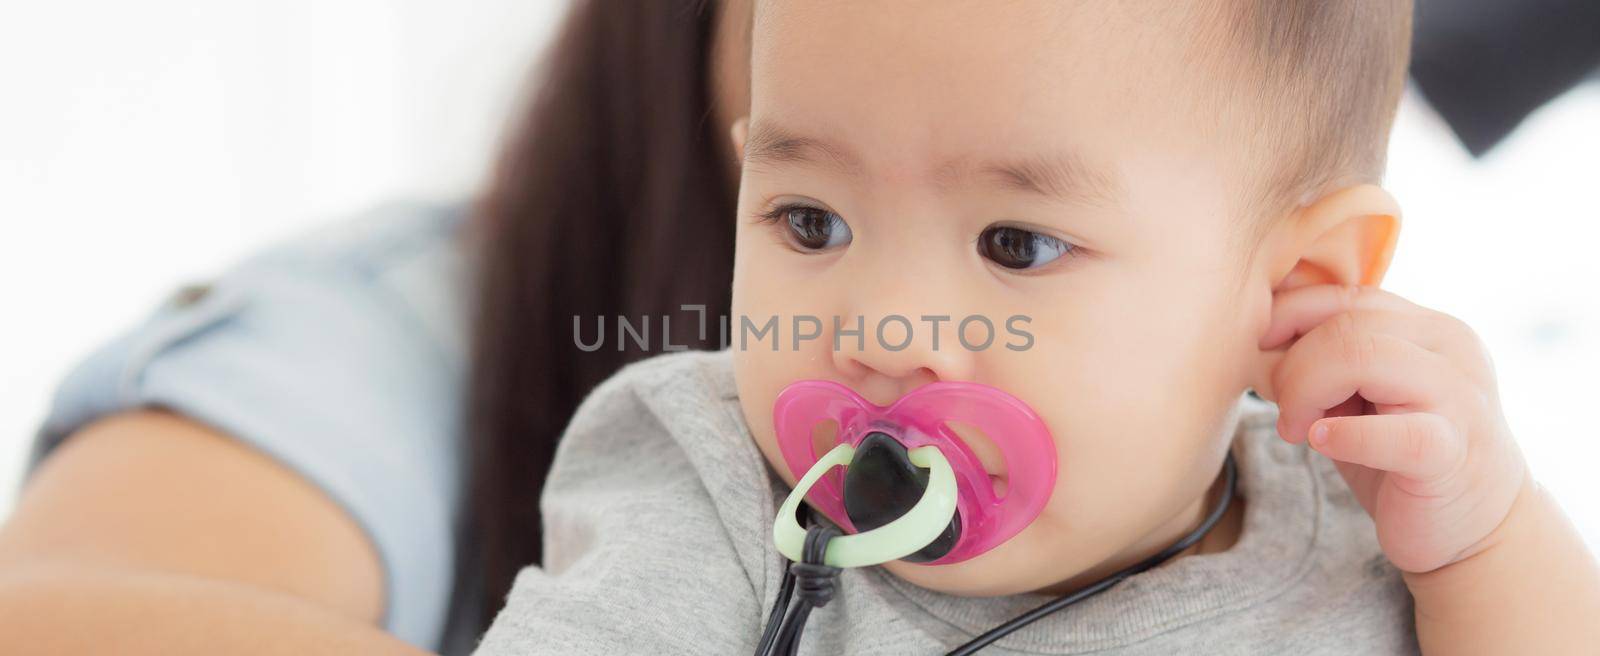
[(893, 541)]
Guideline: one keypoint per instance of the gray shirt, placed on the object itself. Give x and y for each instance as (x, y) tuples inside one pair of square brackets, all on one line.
[(658, 516)]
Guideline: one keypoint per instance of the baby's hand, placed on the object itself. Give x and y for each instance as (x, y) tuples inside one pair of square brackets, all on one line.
[(1403, 399)]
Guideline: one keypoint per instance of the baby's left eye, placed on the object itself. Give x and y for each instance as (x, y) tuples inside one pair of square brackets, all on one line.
[(1016, 248)]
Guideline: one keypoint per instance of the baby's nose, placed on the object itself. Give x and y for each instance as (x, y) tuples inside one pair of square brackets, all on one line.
[(883, 373)]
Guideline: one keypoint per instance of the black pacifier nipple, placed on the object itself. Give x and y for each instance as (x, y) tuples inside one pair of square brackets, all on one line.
[(881, 484)]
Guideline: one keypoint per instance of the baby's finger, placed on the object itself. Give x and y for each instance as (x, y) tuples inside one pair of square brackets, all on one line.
[(1296, 311), (1338, 360), (1419, 445)]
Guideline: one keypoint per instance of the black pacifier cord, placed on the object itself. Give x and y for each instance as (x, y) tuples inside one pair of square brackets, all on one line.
[(816, 583), (775, 619), (1230, 476)]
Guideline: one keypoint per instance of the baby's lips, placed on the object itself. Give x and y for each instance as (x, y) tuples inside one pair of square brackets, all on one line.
[(923, 417), (988, 454)]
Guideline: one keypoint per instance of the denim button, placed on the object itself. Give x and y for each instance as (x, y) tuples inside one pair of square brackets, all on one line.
[(188, 295)]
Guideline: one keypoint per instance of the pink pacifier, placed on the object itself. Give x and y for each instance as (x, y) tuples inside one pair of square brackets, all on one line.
[(901, 480)]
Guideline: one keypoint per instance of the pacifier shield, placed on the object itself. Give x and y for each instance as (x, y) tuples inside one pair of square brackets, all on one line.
[(882, 481)]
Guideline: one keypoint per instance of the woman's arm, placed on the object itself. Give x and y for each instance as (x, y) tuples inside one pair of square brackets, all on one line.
[(155, 534)]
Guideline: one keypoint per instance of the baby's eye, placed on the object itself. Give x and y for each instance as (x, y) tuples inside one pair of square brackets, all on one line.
[(1016, 248), (812, 228)]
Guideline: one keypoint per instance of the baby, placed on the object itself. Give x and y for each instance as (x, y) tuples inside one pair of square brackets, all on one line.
[(1153, 207)]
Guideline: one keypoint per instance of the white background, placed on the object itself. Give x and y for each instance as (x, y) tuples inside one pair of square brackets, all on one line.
[(147, 144), (144, 145)]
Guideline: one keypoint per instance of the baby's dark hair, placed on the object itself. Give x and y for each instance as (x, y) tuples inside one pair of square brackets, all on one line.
[(1319, 82)]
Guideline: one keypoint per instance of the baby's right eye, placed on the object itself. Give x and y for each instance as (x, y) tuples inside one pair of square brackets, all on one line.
[(812, 228)]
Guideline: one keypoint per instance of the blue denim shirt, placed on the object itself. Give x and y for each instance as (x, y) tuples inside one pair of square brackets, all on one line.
[(341, 354)]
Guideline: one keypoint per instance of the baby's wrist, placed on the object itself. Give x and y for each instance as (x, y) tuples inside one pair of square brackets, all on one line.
[(1511, 547), (1529, 581)]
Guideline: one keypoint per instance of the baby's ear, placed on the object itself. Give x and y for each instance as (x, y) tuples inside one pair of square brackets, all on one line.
[(740, 129), (1346, 237)]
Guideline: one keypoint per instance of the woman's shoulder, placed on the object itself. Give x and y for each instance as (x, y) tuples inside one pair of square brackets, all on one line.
[(409, 258), (379, 288), (372, 236), (338, 352)]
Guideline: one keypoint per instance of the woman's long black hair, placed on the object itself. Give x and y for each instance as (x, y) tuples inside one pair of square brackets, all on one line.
[(611, 197)]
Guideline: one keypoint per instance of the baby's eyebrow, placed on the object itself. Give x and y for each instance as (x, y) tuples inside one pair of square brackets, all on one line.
[(770, 144), (1063, 177)]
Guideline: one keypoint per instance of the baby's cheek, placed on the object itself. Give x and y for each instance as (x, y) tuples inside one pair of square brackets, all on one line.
[(758, 388), (1091, 506), (1119, 478)]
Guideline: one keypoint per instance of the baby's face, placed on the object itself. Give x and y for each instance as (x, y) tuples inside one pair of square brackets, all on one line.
[(1003, 160)]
